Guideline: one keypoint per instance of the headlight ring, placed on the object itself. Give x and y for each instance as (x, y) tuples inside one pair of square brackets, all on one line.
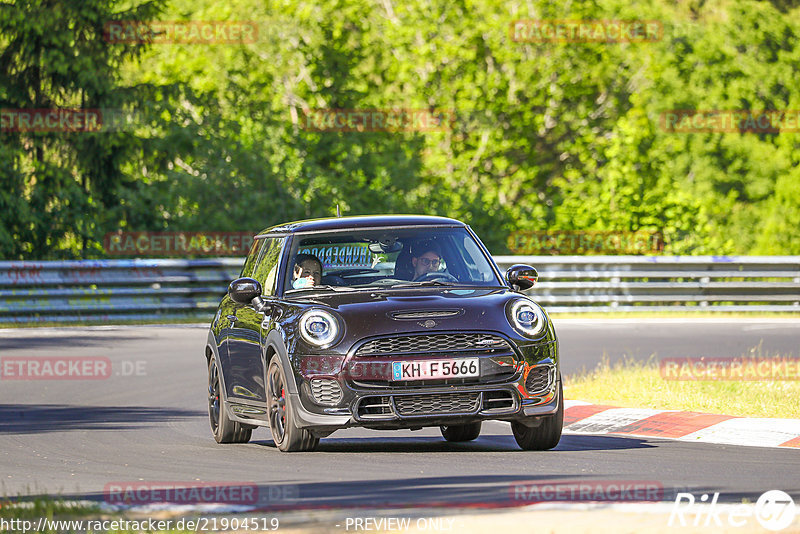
[(527, 318), (319, 328)]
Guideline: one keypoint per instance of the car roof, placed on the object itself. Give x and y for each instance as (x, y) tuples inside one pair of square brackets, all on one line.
[(361, 221)]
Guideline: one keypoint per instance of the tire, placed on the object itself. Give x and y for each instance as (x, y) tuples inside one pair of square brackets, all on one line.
[(225, 430), (547, 434), (456, 433), (286, 435)]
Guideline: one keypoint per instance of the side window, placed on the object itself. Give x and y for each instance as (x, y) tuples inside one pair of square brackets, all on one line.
[(266, 269), (252, 256), (479, 271)]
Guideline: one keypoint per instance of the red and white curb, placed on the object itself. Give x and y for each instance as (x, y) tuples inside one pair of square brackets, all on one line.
[(585, 418)]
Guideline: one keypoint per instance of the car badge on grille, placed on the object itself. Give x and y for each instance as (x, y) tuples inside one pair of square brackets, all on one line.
[(427, 324)]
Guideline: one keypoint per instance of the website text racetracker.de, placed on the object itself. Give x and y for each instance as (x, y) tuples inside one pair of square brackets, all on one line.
[(67, 368), (200, 524)]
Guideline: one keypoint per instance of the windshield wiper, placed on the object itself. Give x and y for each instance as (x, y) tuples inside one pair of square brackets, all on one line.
[(427, 283)]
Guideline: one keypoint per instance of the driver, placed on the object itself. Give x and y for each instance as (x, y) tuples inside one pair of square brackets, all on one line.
[(307, 271), (426, 258)]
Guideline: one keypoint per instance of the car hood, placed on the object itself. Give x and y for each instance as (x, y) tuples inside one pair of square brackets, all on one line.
[(368, 314)]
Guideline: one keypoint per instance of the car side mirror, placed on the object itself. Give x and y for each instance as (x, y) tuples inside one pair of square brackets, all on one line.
[(521, 277), (244, 290)]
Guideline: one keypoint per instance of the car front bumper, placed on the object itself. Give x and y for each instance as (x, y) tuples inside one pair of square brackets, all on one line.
[(339, 391), (431, 406)]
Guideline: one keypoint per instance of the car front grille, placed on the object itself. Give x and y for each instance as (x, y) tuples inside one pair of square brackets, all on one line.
[(540, 379), (326, 391), (441, 403), (387, 407), (432, 343)]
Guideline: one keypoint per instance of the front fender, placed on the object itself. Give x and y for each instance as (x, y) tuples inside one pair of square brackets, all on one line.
[(274, 343)]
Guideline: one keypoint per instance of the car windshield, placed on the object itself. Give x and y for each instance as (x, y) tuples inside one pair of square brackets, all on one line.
[(387, 258)]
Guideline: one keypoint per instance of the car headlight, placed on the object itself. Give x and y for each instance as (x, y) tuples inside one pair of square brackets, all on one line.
[(527, 317), (319, 327)]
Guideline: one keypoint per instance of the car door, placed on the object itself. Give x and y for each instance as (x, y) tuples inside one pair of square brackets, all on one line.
[(245, 383), (224, 323)]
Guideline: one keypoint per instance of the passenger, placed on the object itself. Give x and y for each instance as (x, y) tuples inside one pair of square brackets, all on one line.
[(307, 271)]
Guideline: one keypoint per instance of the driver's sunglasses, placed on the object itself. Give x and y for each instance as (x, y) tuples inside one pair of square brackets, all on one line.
[(430, 263)]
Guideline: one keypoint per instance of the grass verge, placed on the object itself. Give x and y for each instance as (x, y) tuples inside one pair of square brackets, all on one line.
[(639, 384)]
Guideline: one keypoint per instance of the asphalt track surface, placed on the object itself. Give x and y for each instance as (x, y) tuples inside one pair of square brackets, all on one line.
[(147, 424)]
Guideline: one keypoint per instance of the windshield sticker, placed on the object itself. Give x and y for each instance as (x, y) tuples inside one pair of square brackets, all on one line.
[(339, 256)]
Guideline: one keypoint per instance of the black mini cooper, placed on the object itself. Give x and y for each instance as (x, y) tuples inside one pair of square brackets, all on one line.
[(382, 322)]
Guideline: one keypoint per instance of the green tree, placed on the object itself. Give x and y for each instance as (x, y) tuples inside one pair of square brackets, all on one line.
[(59, 186)]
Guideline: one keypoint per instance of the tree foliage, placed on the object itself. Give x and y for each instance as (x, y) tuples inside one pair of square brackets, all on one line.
[(551, 135)]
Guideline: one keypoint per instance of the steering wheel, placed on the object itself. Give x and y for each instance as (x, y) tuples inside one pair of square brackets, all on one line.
[(436, 276)]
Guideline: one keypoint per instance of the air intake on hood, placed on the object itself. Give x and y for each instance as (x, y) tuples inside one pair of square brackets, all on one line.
[(414, 315)]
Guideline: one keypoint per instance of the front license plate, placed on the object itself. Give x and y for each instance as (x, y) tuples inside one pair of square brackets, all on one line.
[(435, 369)]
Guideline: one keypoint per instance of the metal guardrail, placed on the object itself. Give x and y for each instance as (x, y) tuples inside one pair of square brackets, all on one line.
[(165, 289), (660, 283), (113, 290)]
